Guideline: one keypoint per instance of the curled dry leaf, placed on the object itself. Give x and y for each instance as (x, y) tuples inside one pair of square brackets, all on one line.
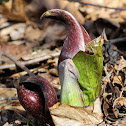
[(114, 94), (119, 106), (107, 109), (117, 80), (120, 64), (66, 115)]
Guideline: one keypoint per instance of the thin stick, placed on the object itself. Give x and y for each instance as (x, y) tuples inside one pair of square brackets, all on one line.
[(23, 67), (122, 91), (110, 84), (8, 98), (33, 61), (117, 40), (96, 5)]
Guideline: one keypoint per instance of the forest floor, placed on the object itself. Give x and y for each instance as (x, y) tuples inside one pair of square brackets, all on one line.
[(37, 44)]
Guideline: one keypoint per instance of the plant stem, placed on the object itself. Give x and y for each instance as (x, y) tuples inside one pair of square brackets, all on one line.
[(28, 121)]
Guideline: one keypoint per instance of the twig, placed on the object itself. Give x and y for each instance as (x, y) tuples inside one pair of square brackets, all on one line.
[(108, 78), (96, 5), (33, 61), (23, 67), (117, 40), (107, 74), (122, 91), (8, 98)]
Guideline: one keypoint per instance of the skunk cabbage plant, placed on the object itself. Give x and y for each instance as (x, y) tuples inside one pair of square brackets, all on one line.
[(80, 62), (37, 95)]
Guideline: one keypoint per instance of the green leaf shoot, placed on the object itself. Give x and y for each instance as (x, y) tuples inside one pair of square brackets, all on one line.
[(90, 66)]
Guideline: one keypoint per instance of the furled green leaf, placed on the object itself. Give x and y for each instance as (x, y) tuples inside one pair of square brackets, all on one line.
[(90, 67)]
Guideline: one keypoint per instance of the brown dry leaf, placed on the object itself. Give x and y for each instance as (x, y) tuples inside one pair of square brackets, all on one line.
[(22, 10), (121, 122), (14, 10), (12, 104), (72, 8), (13, 49), (121, 101), (117, 79), (97, 106), (114, 100), (121, 64), (10, 31), (25, 10), (115, 3), (50, 34), (33, 34), (95, 12), (7, 124), (119, 107), (15, 31), (66, 115), (9, 92), (123, 14), (53, 72)]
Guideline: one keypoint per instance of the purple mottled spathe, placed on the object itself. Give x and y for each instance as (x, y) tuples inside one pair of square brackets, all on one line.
[(36, 95), (77, 36)]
